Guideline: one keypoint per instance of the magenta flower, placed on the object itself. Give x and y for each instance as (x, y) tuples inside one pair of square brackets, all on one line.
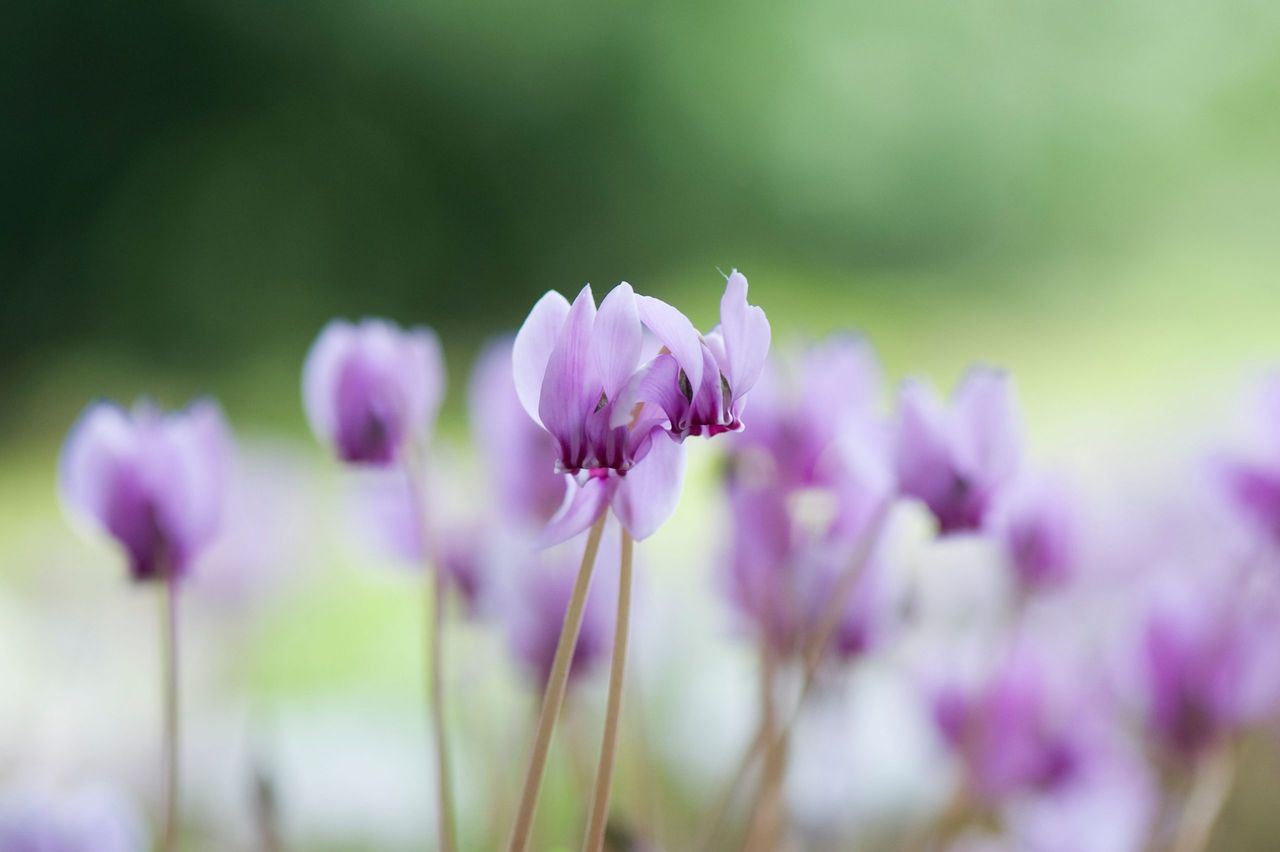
[(801, 412), (371, 389), (701, 381), (1035, 521), (1011, 732), (956, 458), (155, 482), (1207, 664), (572, 366), (518, 454)]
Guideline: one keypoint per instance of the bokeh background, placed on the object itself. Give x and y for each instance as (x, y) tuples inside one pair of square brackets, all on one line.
[(1086, 193)]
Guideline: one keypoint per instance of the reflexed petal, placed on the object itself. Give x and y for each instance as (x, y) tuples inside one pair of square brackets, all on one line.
[(923, 456), (648, 494), (533, 346), (652, 396), (582, 507), (320, 377), (746, 335), (990, 434), (568, 392), (194, 491), (99, 442), (616, 339), (676, 333)]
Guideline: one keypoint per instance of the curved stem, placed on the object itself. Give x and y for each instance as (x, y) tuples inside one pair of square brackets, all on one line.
[(766, 819), (1209, 792), (169, 641), (553, 696), (435, 589), (608, 748)]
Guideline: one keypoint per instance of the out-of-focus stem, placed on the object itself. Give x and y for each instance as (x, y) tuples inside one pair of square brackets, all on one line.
[(553, 696), (1209, 791), (766, 821), (609, 744), (435, 656), (169, 633), (828, 621), (435, 588)]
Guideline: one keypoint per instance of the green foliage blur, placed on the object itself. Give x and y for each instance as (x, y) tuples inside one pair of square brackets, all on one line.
[(189, 190)]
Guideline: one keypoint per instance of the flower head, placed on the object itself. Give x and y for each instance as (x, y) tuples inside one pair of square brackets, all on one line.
[(575, 369), (956, 458), (370, 389), (701, 381), (1035, 522), (155, 482)]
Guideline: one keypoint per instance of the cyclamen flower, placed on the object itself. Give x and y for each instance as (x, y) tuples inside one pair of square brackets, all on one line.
[(701, 382), (1010, 731), (371, 389), (572, 366), (1207, 664), (155, 482), (1251, 480), (1034, 520), (956, 459)]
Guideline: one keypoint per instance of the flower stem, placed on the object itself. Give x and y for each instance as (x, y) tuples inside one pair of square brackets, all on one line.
[(435, 590), (169, 643), (828, 621), (435, 685), (553, 697), (767, 818), (608, 748), (1209, 791)]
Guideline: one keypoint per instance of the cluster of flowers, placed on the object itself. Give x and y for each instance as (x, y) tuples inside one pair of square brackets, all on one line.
[(584, 415)]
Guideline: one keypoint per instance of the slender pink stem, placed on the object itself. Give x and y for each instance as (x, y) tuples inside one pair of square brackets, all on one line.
[(609, 745), (553, 696)]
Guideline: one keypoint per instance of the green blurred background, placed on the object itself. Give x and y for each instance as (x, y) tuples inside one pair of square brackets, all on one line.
[(1088, 192)]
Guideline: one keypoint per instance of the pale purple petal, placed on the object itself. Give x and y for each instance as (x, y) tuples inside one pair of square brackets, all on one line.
[(533, 346), (990, 433), (648, 494), (424, 375), (568, 394), (923, 454), (320, 376), (583, 506), (616, 339), (676, 333), (746, 335)]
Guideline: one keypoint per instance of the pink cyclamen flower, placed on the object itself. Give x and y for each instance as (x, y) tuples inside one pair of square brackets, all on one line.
[(371, 389), (573, 365), (1012, 731), (701, 382), (955, 459), (1207, 663), (518, 454), (1036, 523), (155, 482)]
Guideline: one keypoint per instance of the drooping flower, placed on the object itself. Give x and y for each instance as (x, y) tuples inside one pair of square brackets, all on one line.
[(572, 366), (1035, 522), (155, 482), (1207, 661), (805, 486), (701, 382), (519, 456), (1010, 730), (372, 388), (956, 458)]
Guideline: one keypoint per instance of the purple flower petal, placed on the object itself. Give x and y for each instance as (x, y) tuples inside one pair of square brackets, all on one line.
[(533, 346), (616, 339), (746, 335), (676, 333), (648, 494), (583, 507), (569, 394)]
